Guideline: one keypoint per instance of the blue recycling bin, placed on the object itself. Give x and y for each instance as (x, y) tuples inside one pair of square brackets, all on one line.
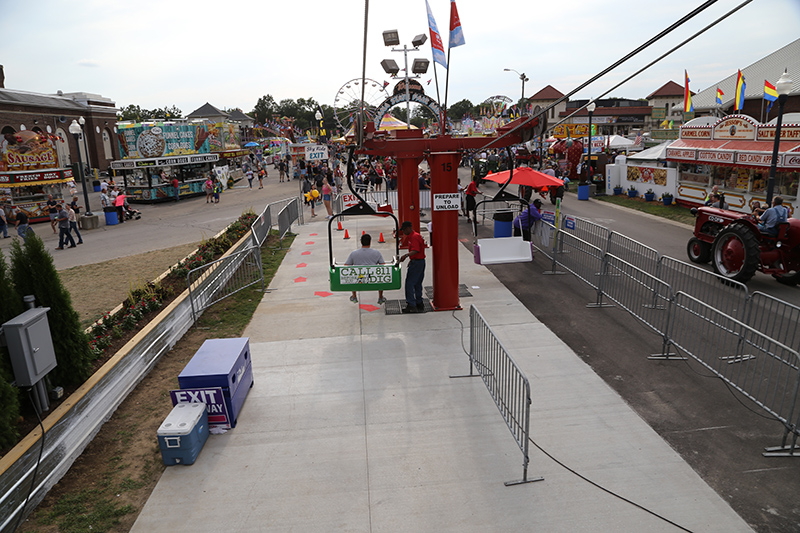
[(111, 216), (583, 192), (503, 224)]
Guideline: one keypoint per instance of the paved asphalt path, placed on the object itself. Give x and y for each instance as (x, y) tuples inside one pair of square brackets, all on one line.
[(162, 225), (720, 434)]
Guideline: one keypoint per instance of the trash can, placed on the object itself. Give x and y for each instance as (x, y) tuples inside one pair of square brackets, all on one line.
[(583, 192), (111, 216), (503, 224), (96, 185)]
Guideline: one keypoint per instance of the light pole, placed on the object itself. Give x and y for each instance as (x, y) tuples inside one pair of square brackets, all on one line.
[(419, 67), (75, 130), (522, 77), (82, 122), (590, 108), (784, 87)]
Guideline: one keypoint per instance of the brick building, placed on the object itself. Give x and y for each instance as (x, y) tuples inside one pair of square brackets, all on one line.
[(53, 113)]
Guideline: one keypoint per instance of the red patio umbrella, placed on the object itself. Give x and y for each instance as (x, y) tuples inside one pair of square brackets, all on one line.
[(526, 176)]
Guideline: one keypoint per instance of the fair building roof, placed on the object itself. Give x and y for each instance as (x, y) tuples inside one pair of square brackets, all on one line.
[(548, 93), (668, 89)]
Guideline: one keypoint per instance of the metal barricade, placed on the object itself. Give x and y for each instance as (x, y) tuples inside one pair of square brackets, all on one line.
[(763, 369), (590, 232), (774, 318), (507, 385), (579, 257), (543, 237), (224, 277), (641, 294), (284, 222), (633, 252), (719, 292), (261, 227)]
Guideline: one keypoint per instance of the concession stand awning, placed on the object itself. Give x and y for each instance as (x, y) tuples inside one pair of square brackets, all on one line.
[(735, 154)]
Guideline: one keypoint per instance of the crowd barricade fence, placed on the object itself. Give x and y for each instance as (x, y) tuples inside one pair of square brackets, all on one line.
[(751, 341), (224, 277), (506, 383), (724, 294), (774, 318), (641, 294), (762, 369), (575, 255), (588, 231), (261, 227), (633, 252)]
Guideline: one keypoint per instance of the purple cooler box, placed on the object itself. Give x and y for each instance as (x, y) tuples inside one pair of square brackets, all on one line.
[(183, 433), (222, 363)]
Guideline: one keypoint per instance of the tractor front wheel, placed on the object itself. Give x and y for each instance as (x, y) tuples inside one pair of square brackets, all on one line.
[(698, 251)]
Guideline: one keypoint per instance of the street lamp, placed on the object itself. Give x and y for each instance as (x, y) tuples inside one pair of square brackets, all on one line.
[(590, 108), (784, 87), (522, 77), (420, 66), (82, 122), (75, 130)]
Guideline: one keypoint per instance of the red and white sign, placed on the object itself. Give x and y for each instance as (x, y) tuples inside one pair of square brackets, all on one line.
[(689, 133), (349, 200), (676, 153), (788, 133), (791, 161), (759, 159), (714, 156)]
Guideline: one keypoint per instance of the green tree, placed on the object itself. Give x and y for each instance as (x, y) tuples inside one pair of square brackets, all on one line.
[(9, 395), (134, 113), (166, 113), (265, 108), (33, 272), (458, 110)]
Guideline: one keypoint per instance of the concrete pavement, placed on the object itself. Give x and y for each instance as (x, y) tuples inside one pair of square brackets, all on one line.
[(354, 425)]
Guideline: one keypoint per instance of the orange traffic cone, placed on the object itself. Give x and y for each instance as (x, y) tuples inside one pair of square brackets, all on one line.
[(346, 235), (340, 226), (381, 239)]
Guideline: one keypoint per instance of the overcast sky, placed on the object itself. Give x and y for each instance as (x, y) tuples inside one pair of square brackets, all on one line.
[(185, 53)]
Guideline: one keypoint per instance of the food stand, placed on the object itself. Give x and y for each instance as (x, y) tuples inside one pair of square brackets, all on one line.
[(155, 153), (28, 173), (735, 154)]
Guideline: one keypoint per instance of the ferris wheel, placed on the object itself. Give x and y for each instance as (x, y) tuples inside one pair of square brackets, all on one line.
[(347, 103)]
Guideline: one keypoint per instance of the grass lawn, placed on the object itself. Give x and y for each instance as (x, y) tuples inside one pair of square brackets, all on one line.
[(657, 208)]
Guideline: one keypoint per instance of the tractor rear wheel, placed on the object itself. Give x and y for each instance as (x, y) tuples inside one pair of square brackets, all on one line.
[(698, 251), (736, 253)]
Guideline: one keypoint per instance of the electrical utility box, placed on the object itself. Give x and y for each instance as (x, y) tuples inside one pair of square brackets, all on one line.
[(30, 346)]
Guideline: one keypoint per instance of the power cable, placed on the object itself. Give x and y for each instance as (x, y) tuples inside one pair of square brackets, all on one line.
[(38, 462), (663, 33), (576, 473)]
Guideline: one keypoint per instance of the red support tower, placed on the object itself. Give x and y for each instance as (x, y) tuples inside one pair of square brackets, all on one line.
[(409, 148)]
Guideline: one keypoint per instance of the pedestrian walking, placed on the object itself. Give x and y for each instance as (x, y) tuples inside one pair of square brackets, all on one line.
[(73, 223), (119, 204), (63, 229), (52, 210), (281, 170), (261, 175), (249, 175), (175, 185), (3, 222), (21, 223), (209, 188)]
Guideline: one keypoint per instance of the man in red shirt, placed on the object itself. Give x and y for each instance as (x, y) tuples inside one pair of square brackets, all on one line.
[(472, 190), (176, 187), (415, 272)]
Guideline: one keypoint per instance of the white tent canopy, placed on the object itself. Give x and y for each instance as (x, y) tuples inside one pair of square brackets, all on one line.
[(656, 153), (618, 141)]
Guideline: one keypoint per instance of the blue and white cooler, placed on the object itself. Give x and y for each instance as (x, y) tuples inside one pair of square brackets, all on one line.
[(183, 433), (222, 363)]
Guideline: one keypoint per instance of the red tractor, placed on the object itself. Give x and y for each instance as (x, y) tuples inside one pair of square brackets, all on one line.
[(736, 247)]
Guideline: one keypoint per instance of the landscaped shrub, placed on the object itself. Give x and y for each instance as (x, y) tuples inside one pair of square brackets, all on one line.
[(33, 272), (9, 395)]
